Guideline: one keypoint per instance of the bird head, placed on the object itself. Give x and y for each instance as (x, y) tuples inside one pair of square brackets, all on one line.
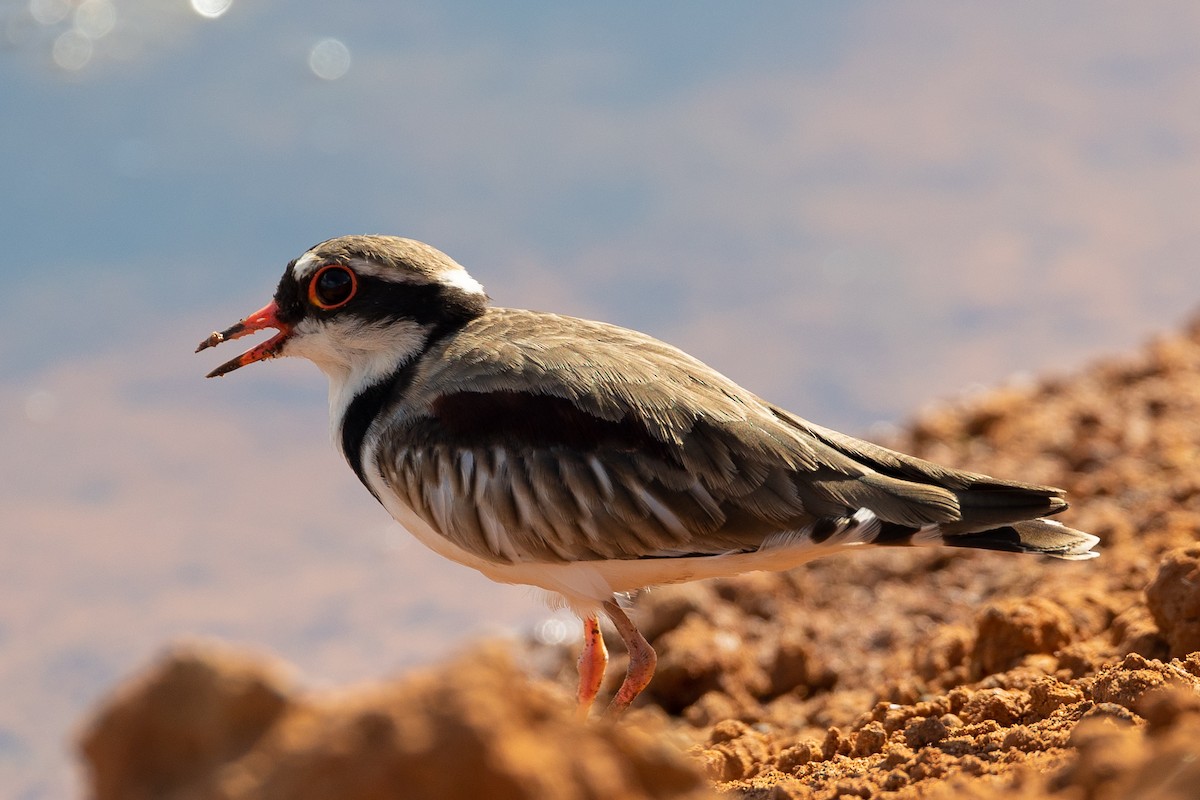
[(358, 304)]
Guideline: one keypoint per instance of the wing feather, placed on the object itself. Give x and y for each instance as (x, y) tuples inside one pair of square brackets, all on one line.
[(629, 448)]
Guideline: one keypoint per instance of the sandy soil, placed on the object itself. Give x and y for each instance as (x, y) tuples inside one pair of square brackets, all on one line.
[(899, 674)]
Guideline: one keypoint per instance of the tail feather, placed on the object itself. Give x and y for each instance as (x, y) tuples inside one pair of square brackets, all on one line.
[(987, 505), (1041, 536), (907, 490), (1033, 536)]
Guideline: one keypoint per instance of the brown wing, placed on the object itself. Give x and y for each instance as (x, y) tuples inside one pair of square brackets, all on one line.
[(518, 443)]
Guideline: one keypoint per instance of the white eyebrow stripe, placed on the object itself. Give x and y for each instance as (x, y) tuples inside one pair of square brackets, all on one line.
[(305, 265), (461, 279)]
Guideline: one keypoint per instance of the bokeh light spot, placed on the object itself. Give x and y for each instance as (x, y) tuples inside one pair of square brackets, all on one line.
[(552, 631), (72, 50), (49, 12), (95, 18), (329, 59), (211, 9)]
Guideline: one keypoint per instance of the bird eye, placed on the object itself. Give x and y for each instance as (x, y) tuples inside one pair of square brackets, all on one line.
[(332, 287)]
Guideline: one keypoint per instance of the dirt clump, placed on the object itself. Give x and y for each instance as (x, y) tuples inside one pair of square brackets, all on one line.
[(1009, 630), (1174, 600), (177, 724), (204, 724)]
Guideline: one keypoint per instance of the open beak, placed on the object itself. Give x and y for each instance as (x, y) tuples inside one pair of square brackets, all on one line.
[(266, 317)]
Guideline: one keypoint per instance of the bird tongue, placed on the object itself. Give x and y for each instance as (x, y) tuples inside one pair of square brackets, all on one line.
[(265, 317)]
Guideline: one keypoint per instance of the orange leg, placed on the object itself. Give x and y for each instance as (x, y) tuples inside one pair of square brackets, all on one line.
[(642, 659), (592, 662)]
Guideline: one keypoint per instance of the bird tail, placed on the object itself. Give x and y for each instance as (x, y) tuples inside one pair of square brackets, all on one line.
[(1042, 536), (992, 514)]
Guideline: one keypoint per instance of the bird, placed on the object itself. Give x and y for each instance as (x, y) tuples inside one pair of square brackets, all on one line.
[(591, 460)]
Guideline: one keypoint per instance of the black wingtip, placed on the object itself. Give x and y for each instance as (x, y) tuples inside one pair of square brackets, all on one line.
[(1041, 536)]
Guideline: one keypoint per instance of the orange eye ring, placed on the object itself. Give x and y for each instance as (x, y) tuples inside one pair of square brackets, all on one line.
[(332, 287)]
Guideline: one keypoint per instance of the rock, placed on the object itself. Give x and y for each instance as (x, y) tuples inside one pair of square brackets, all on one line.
[(1048, 695), (710, 709), (1107, 750), (666, 607), (795, 666), (736, 751), (947, 650), (1174, 600), (922, 732), (698, 657), (1117, 761), (1004, 706), (201, 708), (1009, 630), (1135, 631), (1165, 708), (869, 740), (796, 756), (1129, 682)]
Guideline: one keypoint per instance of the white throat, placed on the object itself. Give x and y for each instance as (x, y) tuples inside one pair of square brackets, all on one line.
[(355, 357)]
